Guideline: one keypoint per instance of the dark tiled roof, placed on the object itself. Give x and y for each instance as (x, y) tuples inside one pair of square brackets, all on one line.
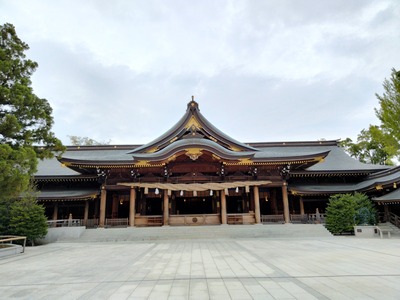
[(52, 167), (68, 194), (393, 196), (382, 178)]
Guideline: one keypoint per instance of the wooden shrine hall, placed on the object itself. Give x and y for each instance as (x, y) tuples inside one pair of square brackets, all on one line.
[(194, 174)]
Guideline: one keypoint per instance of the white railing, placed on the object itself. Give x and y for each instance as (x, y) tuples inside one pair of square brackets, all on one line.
[(64, 223), (316, 218)]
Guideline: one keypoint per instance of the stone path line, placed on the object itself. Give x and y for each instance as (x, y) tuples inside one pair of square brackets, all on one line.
[(319, 268)]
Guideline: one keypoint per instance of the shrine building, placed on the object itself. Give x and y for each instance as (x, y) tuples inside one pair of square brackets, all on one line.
[(194, 174)]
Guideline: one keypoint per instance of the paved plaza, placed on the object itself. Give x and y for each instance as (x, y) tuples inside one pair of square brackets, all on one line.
[(323, 268)]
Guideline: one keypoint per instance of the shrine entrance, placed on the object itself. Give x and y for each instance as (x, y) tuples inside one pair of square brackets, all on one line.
[(194, 205)]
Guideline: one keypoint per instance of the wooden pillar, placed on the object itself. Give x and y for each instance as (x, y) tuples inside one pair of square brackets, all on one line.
[(103, 198), (274, 206), (114, 208), (55, 214), (86, 213), (285, 202), (257, 205), (301, 206), (223, 208), (387, 214), (132, 205), (166, 208), (55, 211)]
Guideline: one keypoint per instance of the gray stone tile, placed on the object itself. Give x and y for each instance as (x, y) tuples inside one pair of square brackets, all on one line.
[(329, 268)]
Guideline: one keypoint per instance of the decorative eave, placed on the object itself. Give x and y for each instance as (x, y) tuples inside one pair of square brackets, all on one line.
[(357, 173), (298, 161), (79, 178), (193, 124), (67, 195), (193, 148)]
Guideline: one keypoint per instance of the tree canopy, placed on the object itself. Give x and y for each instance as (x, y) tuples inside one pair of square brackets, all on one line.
[(373, 146), (25, 136), (380, 144), (85, 141), (389, 111), (25, 119)]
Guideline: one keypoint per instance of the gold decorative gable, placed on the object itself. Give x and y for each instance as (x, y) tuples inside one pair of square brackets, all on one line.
[(193, 123)]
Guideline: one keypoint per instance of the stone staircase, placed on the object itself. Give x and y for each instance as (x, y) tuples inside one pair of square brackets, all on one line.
[(395, 231), (277, 231)]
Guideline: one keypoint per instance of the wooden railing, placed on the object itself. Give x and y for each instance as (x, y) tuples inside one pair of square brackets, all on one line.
[(265, 219), (394, 219), (234, 218), (302, 219), (10, 238), (117, 222), (90, 223), (155, 220)]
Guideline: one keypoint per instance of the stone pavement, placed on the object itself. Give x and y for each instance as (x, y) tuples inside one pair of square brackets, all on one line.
[(307, 268)]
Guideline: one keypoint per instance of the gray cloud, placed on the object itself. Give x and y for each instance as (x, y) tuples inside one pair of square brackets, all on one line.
[(261, 70)]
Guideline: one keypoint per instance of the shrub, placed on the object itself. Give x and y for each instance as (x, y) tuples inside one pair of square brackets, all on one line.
[(27, 218), (346, 210)]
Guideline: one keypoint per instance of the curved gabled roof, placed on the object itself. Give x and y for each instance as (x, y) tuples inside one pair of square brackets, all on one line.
[(193, 124), (193, 143), (374, 181)]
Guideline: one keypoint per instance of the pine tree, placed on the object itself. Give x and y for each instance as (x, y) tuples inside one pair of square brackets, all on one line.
[(27, 218), (25, 125), (344, 211)]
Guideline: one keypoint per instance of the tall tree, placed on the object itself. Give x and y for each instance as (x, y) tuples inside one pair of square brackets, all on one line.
[(380, 144), (25, 119), (373, 146), (389, 111)]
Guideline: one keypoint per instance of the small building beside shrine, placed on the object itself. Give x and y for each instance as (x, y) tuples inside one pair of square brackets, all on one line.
[(194, 174)]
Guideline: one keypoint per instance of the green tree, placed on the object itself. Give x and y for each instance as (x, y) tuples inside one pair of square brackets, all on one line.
[(380, 144), (25, 122), (27, 218), (389, 111), (373, 146), (25, 119), (85, 141), (346, 210)]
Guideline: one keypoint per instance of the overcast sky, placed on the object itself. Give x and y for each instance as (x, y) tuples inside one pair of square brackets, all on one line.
[(260, 70)]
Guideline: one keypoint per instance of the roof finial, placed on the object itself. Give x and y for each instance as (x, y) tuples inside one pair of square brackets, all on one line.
[(192, 105)]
